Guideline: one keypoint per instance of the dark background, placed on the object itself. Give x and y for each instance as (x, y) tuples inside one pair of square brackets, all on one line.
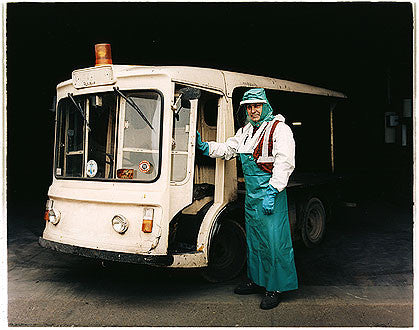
[(361, 49)]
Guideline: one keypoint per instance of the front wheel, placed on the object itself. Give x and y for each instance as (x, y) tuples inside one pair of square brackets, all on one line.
[(227, 254), (314, 222)]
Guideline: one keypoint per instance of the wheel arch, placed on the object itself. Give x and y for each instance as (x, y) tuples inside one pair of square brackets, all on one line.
[(229, 211), (226, 245)]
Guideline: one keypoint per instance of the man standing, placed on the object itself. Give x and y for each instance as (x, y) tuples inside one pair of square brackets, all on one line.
[(266, 149)]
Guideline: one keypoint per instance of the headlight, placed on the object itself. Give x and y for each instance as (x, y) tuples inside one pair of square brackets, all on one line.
[(119, 224), (54, 216)]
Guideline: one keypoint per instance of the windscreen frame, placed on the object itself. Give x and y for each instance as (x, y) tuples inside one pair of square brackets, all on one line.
[(114, 179)]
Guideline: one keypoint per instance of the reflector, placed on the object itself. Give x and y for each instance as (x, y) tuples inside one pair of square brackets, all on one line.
[(148, 216), (147, 226)]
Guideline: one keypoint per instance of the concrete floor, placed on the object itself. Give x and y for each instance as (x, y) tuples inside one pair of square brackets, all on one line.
[(361, 276)]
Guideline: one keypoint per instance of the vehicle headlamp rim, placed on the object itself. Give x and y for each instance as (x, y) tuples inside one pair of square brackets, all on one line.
[(55, 217), (122, 221)]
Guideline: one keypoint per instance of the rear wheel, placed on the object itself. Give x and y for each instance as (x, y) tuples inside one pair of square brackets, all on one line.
[(227, 254), (314, 222)]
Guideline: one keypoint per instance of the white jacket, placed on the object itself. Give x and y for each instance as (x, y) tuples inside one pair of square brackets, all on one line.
[(283, 149)]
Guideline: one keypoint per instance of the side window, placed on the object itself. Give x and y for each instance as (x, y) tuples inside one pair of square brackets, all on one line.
[(180, 139), (308, 117), (240, 119), (70, 139), (211, 111), (240, 114)]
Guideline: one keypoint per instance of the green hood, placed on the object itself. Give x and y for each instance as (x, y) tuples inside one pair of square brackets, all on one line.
[(267, 112)]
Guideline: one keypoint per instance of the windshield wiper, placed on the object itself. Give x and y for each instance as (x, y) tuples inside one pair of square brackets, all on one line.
[(134, 105), (79, 108)]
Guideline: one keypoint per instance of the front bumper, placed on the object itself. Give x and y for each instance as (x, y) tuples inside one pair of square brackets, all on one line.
[(153, 260)]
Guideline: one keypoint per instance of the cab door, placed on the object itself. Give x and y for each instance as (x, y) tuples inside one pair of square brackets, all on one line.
[(182, 155)]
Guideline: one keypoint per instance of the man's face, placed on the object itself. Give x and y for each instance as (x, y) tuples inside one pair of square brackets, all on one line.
[(254, 110)]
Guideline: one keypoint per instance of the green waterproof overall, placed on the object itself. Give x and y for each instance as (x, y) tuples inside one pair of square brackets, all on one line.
[(270, 255)]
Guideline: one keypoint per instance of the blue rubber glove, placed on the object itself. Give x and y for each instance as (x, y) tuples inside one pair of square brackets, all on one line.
[(268, 202), (203, 146)]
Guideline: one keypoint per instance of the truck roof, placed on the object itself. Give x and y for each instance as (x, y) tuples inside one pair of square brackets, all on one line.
[(221, 80)]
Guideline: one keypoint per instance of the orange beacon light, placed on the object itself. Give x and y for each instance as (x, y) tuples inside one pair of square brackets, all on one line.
[(103, 54)]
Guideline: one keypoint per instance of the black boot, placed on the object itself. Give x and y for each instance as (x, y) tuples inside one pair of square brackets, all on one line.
[(248, 287), (270, 300)]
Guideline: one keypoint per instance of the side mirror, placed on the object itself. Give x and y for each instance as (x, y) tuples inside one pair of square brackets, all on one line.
[(185, 94), (190, 93)]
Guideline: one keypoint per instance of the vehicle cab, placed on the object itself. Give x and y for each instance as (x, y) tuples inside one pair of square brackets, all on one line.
[(128, 184)]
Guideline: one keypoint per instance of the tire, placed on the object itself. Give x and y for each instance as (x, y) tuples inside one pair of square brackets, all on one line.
[(314, 222), (227, 254)]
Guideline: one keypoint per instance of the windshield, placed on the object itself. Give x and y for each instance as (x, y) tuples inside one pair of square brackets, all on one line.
[(89, 146), (141, 143)]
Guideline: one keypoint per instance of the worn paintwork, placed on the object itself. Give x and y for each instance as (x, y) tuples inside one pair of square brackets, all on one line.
[(87, 207)]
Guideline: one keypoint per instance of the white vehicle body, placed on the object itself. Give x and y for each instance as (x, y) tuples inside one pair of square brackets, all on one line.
[(86, 206)]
